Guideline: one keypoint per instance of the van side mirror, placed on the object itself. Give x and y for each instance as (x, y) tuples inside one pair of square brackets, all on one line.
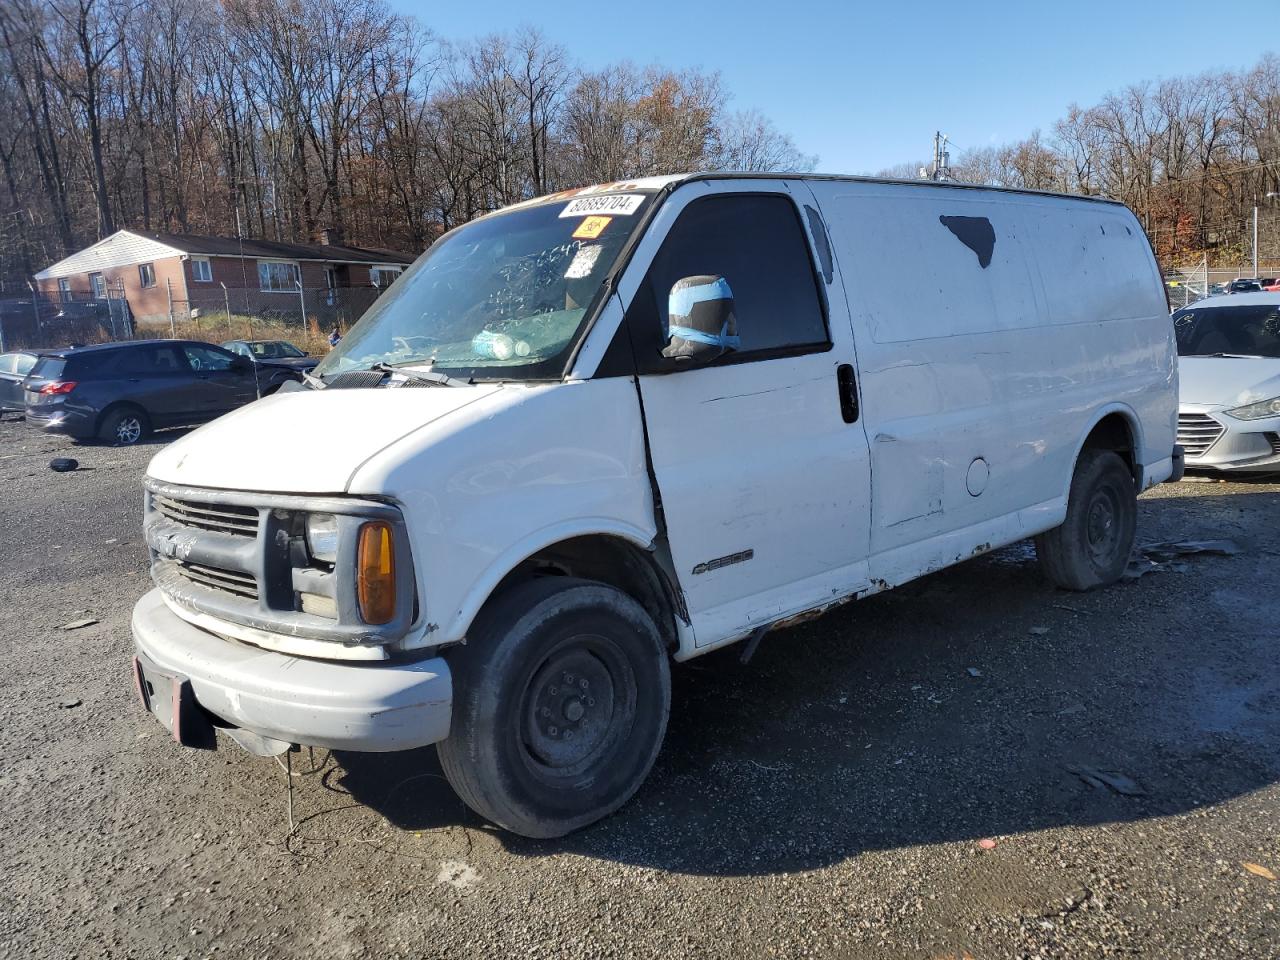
[(241, 364), (702, 325)]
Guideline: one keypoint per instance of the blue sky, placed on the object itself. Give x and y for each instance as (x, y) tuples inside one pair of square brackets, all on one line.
[(864, 86)]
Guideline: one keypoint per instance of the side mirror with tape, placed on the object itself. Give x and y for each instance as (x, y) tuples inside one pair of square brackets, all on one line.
[(702, 325)]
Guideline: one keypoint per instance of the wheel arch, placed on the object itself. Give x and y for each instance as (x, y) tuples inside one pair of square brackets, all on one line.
[(1114, 427), (622, 558), (116, 405)]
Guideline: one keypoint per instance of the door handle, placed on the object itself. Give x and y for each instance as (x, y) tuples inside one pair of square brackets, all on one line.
[(848, 392)]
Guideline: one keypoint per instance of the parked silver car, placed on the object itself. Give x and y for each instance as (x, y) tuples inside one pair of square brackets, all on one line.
[(14, 368), (1229, 382)]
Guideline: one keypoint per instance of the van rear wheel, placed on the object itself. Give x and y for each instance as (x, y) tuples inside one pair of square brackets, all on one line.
[(1092, 547), (561, 696)]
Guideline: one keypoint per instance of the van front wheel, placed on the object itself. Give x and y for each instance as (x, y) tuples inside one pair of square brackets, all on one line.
[(1091, 548), (561, 696)]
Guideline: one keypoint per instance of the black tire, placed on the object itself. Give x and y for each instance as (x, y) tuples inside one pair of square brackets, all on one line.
[(1092, 547), (523, 753), (124, 426)]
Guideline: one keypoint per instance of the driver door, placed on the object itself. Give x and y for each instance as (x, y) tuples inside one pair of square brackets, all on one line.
[(761, 468)]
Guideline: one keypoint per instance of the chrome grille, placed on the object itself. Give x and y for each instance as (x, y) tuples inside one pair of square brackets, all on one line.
[(1197, 433), (232, 581), (220, 518)]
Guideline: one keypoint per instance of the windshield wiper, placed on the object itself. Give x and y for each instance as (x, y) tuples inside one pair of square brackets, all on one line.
[(425, 376), (1234, 356)]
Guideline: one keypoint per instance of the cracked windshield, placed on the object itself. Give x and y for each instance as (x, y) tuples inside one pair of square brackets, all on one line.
[(501, 298)]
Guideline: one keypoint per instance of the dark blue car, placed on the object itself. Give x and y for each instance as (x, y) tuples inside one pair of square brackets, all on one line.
[(120, 392)]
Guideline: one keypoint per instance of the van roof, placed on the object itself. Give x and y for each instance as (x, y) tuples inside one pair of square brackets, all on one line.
[(654, 184), (935, 184)]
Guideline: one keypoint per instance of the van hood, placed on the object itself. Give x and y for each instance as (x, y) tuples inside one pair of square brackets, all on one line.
[(1227, 381), (305, 441)]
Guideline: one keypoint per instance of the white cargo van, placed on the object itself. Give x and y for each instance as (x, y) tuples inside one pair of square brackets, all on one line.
[(598, 431)]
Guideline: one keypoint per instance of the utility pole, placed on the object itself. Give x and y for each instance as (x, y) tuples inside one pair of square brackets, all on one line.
[(35, 305), (1255, 232), (941, 158), (226, 298), (168, 289), (1255, 240), (302, 303)]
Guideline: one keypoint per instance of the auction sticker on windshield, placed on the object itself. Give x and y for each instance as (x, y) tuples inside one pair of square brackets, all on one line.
[(618, 203)]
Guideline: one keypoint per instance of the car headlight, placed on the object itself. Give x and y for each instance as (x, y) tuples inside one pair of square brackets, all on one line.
[(322, 536), (1256, 411)]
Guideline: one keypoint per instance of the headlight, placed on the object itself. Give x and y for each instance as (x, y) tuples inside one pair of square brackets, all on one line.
[(1256, 411), (322, 536)]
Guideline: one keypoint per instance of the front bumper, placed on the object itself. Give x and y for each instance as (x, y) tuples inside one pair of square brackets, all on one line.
[(372, 707), (1235, 446)]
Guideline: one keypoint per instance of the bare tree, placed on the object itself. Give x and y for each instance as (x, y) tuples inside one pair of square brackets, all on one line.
[(748, 141)]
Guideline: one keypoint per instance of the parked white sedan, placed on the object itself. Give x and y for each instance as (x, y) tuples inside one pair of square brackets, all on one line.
[(1229, 382)]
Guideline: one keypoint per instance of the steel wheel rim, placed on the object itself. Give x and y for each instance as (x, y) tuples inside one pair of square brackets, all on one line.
[(1102, 525), (578, 706)]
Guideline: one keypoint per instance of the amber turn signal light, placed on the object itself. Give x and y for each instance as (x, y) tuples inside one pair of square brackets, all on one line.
[(376, 573)]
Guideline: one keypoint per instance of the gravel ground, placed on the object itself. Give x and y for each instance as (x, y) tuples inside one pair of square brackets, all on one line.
[(906, 777)]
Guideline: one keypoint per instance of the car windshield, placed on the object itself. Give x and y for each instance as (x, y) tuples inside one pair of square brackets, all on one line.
[(274, 349), (502, 298), (1249, 330)]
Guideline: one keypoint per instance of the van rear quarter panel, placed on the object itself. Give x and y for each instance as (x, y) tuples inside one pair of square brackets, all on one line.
[(1011, 362)]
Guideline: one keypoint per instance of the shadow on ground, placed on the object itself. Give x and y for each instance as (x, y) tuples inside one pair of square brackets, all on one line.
[(868, 729)]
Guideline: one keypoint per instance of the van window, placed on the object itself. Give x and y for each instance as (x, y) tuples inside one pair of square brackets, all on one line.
[(754, 241)]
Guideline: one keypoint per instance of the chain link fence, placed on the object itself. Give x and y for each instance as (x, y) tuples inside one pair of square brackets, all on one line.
[(1186, 285), (63, 318), (304, 316)]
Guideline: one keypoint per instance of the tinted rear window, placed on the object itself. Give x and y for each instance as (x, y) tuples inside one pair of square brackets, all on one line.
[(158, 358), (49, 368), (130, 362)]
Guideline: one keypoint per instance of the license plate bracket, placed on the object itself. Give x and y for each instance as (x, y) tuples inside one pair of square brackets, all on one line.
[(171, 699)]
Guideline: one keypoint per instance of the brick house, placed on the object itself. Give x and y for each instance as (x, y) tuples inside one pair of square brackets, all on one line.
[(184, 274)]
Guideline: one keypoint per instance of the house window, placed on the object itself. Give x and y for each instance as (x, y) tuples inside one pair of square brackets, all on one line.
[(383, 277), (64, 289), (201, 272), (147, 274), (98, 286), (278, 276)]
